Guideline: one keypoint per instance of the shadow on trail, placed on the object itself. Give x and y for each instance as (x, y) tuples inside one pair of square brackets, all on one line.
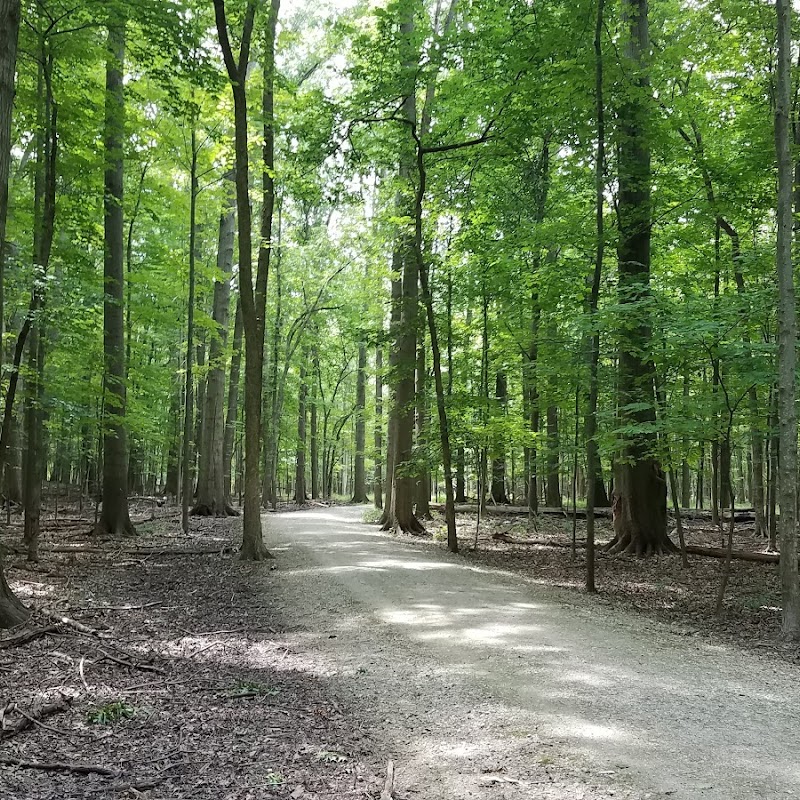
[(523, 672)]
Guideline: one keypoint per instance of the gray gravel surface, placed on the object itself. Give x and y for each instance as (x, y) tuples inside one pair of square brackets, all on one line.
[(481, 685)]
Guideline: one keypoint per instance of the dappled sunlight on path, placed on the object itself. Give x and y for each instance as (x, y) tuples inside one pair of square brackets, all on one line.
[(469, 670)]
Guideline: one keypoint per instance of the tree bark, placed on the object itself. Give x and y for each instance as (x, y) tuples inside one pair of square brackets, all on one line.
[(253, 296), (115, 518), (401, 511), (232, 412), (423, 489), (787, 332), (553, 489), (212, 499), (300, 453), (314, 448), (44, 225), (188, 407), (360, 475), (640, 502), (377, 481), (498, 490)]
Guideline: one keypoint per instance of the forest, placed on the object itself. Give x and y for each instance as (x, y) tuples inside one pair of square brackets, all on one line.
[(519, 253), (512, 277)]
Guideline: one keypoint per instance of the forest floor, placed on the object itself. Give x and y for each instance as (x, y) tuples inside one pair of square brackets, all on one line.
[(483, 675), (173, 677)]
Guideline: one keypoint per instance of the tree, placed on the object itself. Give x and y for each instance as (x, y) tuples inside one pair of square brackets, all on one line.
[(12, 611), (212, 496), (640, 503), (787, 337), (115, 519), (253, 295)]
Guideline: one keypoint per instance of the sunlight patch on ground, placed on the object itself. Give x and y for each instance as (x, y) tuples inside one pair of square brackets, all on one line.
[(396, 563), (580, 729)]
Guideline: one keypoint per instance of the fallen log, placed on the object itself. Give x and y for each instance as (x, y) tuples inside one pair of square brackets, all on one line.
[(696, 550), (741, 555)]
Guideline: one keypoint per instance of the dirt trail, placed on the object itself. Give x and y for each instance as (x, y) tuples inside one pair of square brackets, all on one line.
[(483, 686)]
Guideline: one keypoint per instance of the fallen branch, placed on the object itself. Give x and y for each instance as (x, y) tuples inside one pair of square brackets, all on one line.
[(130, 664), (28, 636), (118, 608), (74, 624), (158, 551), (57, 766), (37, 715)]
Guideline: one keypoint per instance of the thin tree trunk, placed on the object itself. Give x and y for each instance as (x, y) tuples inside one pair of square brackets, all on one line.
[(423, 489), (232, 412), (300, 453), (498, 488), (360, 475), (188, 408), (553, 488), (44, 224), (314, 449), (377, 482)]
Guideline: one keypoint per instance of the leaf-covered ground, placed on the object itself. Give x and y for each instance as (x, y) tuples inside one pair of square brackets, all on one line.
[(177, 681)]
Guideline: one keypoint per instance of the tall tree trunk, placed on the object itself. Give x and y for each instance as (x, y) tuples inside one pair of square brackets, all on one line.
[(360, 474), (401, 510), (498, 492), (553, 490), (640, 503), (253, 295), (314, 448), (212, 499), (590, 423), (232, 411), (115, 519), (423, 490), (300, 454), (188, 408), (377, 481), (787, 332), (44, 224)]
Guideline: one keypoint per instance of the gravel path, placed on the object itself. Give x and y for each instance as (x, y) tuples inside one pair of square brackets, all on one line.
[(483, 686)]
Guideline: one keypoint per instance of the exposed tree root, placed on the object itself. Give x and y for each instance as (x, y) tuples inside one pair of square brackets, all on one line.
[(255, 553), (81, 769), (638, 546), (28, 636), (213, 510)]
